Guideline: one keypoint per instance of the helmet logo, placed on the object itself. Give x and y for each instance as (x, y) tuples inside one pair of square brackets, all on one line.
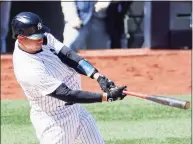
[(39, 26)]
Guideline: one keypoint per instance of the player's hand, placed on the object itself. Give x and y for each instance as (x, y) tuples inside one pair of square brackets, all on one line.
[(76, 23), (101, 6), (105, 83), (116, 94)]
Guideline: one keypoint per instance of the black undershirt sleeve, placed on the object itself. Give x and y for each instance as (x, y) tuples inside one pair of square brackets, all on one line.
[(75, 96), (72, 59)]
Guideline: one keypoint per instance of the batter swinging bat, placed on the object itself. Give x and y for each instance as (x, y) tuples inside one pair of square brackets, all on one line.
[(162, 100)]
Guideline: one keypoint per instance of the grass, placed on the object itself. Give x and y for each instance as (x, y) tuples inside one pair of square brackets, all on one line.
[(131, 121)]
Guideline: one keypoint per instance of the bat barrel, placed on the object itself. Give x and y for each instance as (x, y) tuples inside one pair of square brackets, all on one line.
[(187, 105), (170, 101)]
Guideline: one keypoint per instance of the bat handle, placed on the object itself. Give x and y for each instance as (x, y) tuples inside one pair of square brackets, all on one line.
[(135, 94)]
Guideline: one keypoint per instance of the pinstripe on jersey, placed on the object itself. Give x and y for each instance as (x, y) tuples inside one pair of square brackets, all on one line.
[(40, 74)]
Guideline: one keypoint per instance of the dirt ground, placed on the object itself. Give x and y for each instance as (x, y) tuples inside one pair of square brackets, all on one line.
[(151, 72)]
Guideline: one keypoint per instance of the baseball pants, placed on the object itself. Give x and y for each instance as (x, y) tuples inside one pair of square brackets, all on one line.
[(70, 125)]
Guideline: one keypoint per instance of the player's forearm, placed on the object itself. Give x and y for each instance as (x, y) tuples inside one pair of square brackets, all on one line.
[(81, 65), (77, 96), (96, 75)]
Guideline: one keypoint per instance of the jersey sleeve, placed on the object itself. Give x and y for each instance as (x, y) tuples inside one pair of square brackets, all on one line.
[(54, 43), (42, 81)]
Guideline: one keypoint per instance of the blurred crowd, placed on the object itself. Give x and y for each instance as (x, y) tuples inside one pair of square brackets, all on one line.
[(88, 24)]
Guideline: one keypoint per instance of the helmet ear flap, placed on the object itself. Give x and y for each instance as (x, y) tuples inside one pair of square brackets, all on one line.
[(16, 33), (19, 32)]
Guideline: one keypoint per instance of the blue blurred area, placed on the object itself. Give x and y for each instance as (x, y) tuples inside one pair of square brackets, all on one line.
[(157, 24)]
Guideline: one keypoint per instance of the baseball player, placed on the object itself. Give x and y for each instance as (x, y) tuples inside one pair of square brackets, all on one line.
[(49, 74)]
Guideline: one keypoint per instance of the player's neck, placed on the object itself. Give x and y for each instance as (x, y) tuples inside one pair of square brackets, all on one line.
[(25, 49)]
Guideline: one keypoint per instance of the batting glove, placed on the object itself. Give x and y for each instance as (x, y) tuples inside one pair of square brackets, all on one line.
[(116, 94), (105, 83)]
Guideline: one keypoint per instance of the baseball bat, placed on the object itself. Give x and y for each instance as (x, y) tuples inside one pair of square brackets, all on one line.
[(162, 100)]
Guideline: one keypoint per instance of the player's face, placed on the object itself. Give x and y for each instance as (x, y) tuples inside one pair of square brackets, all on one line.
[(32, 45)]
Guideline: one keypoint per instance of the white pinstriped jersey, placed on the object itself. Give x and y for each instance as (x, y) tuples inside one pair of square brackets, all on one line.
[(40, 74)]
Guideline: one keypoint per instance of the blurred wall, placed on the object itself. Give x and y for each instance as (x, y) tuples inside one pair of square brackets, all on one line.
[(167, 24), (159, 24), (49, 11), (135, 24), (180, 24)]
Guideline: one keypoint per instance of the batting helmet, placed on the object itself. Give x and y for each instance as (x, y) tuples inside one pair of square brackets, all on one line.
[(28, 25)]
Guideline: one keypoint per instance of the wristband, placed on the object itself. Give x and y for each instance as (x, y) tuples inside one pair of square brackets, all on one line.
[(86, 68), (104, 97)]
